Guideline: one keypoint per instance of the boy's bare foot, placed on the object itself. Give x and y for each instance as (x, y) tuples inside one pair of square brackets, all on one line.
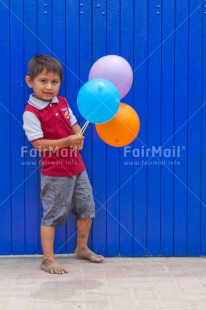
[(52, 267), (86, 253)]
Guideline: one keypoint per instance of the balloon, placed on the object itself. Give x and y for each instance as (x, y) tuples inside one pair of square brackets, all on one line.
[(114, 69), (98, 101), (122, 129)]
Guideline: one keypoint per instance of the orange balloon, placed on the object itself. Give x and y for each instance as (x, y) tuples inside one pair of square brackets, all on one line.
[(122, 129)]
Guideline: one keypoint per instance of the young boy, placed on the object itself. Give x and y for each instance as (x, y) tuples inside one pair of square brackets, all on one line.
[(52, 129)]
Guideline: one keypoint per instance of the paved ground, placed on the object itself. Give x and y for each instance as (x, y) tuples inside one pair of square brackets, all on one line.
[(117, 284)]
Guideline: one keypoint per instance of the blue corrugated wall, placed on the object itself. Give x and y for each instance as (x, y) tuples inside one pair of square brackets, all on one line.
[(150, 197)]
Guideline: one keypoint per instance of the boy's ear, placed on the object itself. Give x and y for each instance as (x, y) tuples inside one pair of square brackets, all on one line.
[(28, 81)]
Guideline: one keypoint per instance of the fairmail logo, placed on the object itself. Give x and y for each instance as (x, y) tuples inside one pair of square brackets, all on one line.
[(149, 152)]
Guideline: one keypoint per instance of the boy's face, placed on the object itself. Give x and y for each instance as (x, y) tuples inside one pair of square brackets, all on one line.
[(45, 85)]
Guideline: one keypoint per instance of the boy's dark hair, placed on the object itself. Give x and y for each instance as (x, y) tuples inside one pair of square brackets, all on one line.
[(44, 62)]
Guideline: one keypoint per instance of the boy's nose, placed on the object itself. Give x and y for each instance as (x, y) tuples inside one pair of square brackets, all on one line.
[(48, 86)]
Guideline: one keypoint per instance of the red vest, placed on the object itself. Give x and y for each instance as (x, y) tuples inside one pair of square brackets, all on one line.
[(55, 124)]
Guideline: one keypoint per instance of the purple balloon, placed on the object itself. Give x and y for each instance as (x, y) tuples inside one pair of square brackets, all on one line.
[(114, 69)]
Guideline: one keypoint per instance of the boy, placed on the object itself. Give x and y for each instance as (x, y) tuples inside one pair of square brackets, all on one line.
[(52, 129)]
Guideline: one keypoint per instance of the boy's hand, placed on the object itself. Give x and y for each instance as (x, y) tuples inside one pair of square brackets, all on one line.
[(76, 141)]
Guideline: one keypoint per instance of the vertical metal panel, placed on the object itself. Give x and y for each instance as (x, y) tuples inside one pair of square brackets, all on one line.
[(17, 135), (5, 136), (167, 127), (194, 126), (203, 137), (99, 148), (140, 144), (126, 172), (85, 39), (141, 209), (180, 133), (113, 47), (154, 124), (44, 26)]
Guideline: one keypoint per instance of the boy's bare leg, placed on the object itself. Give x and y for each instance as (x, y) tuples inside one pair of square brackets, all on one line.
[(49, 263), (82, 250)]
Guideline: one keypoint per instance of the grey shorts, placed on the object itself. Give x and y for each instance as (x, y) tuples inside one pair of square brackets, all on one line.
[(60, 195)]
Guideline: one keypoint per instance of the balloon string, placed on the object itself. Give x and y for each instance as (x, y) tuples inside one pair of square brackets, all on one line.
[(82, 131), (83, 128)]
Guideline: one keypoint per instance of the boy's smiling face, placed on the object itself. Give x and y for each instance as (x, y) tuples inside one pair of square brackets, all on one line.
[(45, 85)]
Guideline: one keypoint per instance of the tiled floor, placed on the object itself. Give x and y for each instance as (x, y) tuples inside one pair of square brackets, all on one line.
[(117, 284)]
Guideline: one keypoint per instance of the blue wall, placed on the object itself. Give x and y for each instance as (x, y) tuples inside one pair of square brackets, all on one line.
[(147, 203)]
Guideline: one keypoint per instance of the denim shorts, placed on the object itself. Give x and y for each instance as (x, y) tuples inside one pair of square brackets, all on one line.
[(60, 195)]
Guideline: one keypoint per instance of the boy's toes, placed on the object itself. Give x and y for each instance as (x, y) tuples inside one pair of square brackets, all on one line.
[(88, 254), (52, 267)]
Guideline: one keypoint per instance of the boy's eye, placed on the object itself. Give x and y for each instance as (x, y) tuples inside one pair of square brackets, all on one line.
[(55, 82), (43, 81)]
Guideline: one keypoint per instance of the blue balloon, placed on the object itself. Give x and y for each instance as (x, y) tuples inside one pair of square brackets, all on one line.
[(98, 101)]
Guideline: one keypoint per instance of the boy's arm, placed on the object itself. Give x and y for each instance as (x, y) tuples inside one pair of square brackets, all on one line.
[(32, 127), (76, 128), (47, 144)]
